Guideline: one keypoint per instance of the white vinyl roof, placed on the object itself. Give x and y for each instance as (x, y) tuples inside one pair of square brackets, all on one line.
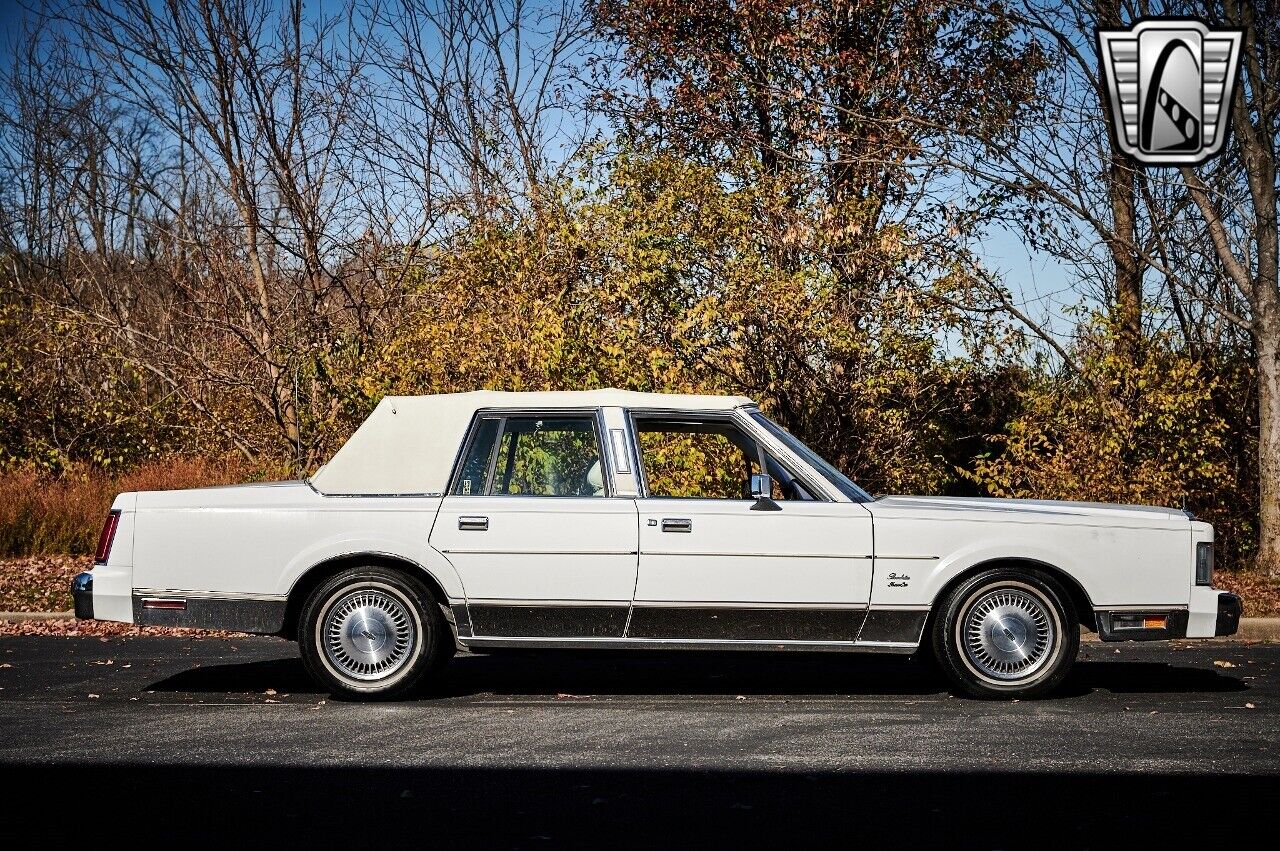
[(409, 443)]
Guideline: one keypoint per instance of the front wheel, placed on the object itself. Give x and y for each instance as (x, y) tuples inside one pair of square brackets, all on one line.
[(1006, 633), (371, 633)]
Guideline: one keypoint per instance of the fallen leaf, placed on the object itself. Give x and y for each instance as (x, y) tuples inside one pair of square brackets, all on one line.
[(270, 691), (1250, 706), (1223, 663)]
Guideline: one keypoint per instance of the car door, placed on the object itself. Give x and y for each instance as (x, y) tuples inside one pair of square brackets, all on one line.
[(542, 546), (716, 564)]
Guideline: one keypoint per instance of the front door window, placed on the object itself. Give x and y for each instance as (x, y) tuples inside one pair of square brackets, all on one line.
[(707, 459)]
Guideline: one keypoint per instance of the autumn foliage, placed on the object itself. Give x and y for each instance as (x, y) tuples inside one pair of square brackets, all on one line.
[(757, 198)]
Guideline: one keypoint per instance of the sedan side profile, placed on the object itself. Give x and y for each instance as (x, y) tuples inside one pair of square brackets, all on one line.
[(614, 519)]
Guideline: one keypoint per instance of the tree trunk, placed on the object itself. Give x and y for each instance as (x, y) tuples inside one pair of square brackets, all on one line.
[(1267, 323), (1122, 243)]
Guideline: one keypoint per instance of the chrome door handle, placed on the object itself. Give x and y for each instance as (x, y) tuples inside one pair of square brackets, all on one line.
[(473, 524), (677, 524)]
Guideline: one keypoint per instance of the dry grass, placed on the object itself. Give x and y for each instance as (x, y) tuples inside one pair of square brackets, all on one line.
[(41, 515)]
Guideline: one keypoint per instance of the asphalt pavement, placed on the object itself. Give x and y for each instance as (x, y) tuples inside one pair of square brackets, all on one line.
[(206, 740)]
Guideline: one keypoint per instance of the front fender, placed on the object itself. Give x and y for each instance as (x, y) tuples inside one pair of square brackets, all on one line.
[(925, 578)]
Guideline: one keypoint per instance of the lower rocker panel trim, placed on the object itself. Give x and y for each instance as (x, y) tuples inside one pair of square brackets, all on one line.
[(685, 644)]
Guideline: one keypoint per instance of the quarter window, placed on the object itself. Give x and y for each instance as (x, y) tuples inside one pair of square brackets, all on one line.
[(475, 467)]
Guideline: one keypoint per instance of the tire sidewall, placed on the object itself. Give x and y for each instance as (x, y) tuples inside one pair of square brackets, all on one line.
[(953, 659), (428, 626)]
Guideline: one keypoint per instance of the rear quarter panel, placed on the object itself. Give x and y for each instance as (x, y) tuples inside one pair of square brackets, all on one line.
[(258, 540)]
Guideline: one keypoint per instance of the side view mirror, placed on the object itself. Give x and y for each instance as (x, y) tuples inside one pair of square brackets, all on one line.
[(761, 486), (762, 490)]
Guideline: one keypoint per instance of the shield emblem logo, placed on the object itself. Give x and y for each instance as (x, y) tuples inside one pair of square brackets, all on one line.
[(1170, 83)]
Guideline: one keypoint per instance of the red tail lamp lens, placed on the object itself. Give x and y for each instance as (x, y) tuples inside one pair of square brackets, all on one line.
[(107, 537)]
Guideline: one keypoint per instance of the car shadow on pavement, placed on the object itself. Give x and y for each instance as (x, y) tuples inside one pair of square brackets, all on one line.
[(673, 673), (299, 805), (1144, 678)]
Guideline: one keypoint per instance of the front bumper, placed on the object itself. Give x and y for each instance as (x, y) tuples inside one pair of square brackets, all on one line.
[(1230, 607), (1212, 613), (82, 593), (1120, 625)]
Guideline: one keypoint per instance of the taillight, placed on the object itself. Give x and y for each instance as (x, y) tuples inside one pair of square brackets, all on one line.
[(1204, 563), (107, 537)]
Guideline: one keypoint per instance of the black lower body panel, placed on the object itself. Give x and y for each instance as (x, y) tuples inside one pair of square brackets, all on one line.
[(591, 621), (896, 626), (746, 624), (264, 617)]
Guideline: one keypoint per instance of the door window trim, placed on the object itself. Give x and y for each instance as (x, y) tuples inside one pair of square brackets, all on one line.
[(596, 416)]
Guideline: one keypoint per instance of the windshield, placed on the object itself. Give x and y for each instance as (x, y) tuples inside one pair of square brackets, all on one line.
[(842, 482)]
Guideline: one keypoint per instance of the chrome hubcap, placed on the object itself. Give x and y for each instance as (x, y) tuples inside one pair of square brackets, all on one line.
[(368, 634), (1008, 634)]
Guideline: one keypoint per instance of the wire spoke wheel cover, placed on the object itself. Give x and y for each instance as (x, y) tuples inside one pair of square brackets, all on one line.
[(1008, 633), (368, 634)]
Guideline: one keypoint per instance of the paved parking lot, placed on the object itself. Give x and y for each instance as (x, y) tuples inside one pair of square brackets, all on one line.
[(201, 738)]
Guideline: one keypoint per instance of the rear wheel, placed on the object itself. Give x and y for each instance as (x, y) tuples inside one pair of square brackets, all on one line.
[(1006, 633), (372, 633)]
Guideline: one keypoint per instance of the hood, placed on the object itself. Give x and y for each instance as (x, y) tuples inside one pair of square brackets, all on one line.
[(1045, 510)]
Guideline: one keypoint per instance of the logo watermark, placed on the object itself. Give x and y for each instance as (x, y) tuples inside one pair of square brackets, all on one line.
[(1169, 82)]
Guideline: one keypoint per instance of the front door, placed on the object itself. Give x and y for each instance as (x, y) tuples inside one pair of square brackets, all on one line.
[(542, 547), (716, 564)]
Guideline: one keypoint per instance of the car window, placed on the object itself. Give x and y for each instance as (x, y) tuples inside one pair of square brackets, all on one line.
[(688, 462), (548, 456), (475, 467), (711, 459)]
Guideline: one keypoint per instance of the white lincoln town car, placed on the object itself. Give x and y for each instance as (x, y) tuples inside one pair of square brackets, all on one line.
[(613, 519)]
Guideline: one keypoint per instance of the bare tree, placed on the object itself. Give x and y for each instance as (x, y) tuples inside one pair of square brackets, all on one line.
[(484, 104), (1200, 241)]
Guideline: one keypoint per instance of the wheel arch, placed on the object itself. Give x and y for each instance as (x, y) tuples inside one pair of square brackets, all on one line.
[(1075, 591), (313, 576)]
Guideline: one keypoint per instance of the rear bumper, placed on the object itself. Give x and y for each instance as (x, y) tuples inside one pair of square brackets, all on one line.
[(82, 593)]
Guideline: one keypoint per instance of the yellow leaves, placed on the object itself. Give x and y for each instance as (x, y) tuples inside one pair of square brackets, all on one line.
[(1144, 432)]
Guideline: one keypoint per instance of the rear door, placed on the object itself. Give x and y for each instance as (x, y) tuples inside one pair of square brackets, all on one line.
[(543, 546), (716, 564)]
